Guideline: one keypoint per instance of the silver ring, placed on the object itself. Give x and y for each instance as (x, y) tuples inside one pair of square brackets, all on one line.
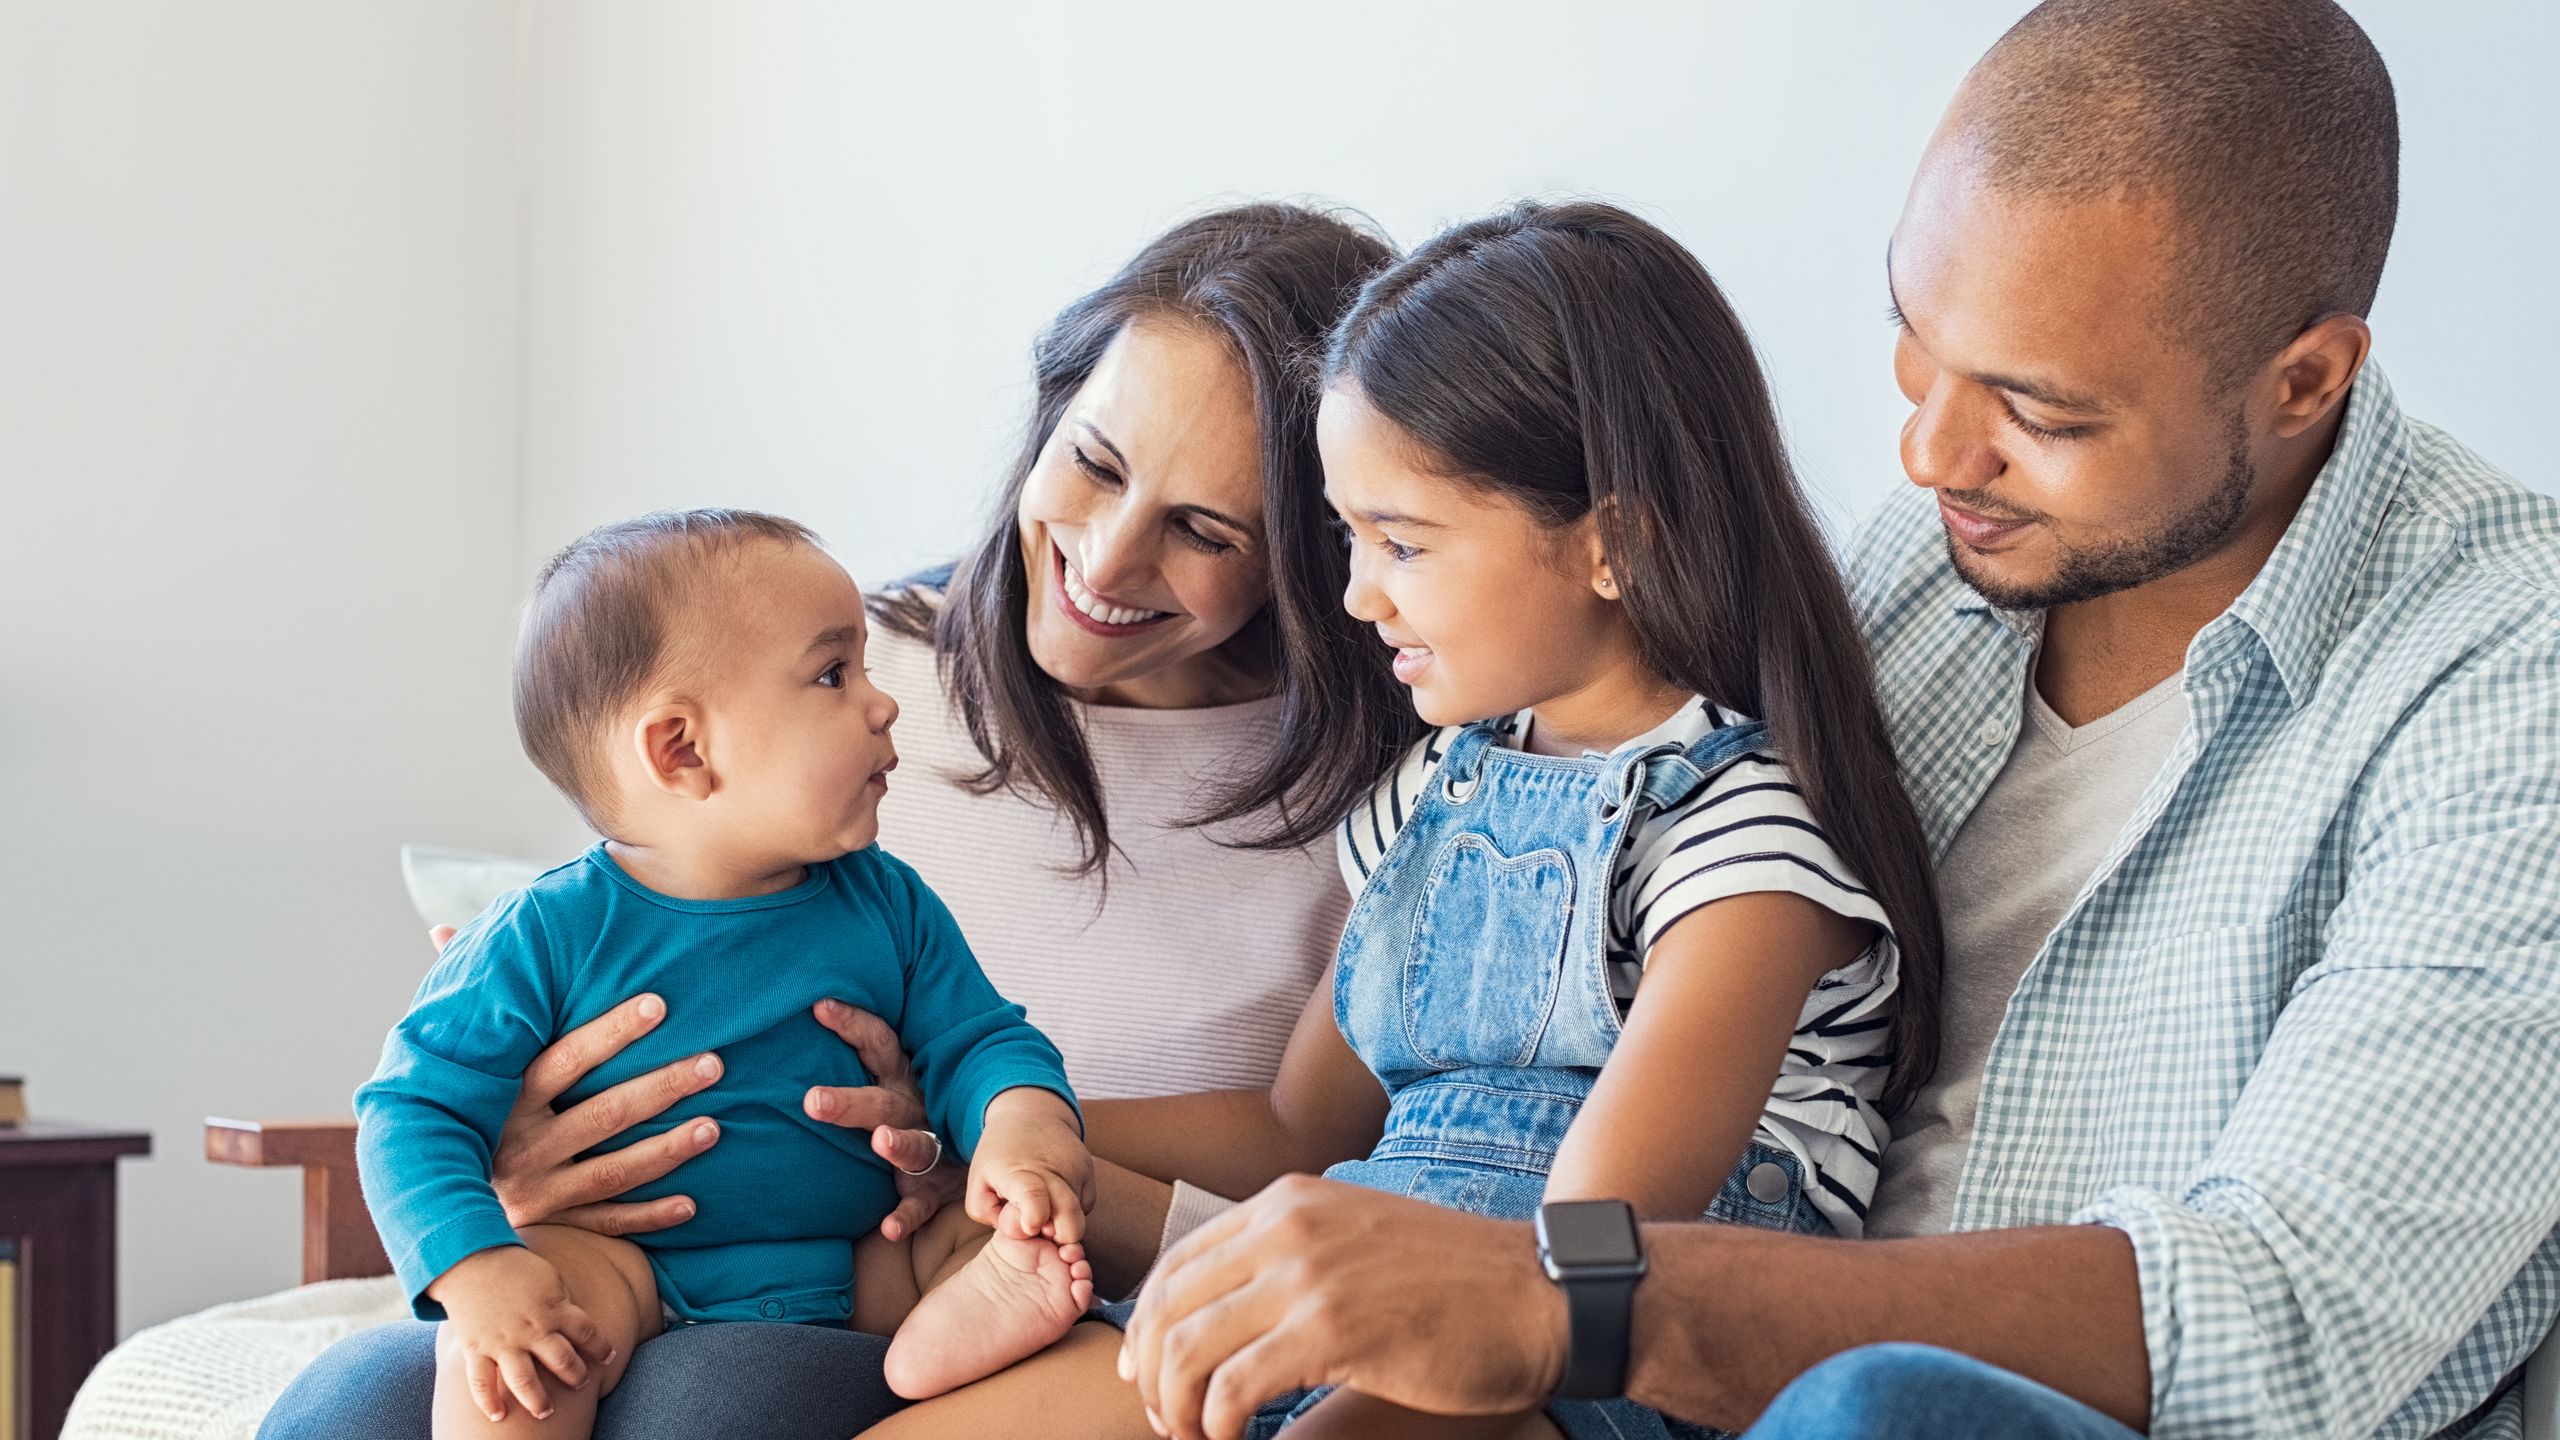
[(929, 1164)]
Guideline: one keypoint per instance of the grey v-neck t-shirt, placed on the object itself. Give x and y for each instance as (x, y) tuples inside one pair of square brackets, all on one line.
[(2047, 821)]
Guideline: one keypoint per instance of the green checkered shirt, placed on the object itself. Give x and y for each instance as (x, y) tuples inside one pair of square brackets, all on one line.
[(2299, 1034)]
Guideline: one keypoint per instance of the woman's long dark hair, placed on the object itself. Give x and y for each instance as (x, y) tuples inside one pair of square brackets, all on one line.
[(1272, 279), (1577, 360)]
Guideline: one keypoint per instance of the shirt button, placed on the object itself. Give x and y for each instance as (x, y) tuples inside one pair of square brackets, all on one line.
[(1991, 733), (844, 1304), (771, 1309), (1767, 1182)]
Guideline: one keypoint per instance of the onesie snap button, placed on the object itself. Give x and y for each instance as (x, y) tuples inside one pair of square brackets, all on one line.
[(771, 1309), (1767, 1182), (844, 1304)]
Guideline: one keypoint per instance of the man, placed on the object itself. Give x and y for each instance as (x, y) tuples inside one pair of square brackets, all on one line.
[(2231, 700)]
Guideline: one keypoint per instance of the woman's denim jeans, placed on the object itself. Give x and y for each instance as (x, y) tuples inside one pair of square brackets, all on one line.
[(712, 1382)]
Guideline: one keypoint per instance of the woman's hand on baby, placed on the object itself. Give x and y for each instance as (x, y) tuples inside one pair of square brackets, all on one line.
[(537, 1173), (891, 1107), (508, 1318), (1032, 1174)]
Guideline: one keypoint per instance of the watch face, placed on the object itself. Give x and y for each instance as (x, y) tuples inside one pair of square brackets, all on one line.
[(1576, 1233)]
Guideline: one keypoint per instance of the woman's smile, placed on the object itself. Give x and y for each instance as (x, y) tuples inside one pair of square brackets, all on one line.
[(1092, 612)]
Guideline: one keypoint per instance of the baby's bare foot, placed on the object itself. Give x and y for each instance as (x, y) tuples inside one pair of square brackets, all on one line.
[(1009, 1302)]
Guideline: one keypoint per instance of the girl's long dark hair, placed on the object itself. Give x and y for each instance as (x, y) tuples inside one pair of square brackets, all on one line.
[(1272, 279), (1580, 362)]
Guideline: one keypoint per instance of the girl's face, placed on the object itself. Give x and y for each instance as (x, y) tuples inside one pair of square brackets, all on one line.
[(1141, 527), (1488, 610)]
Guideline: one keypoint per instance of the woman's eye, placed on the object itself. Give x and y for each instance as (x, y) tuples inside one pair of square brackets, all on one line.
[(1400, 552), (833, 676), (1205, 544), (1101, 474)]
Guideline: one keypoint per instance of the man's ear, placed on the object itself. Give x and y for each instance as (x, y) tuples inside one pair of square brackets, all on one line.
[(2313, 374), (670, 742)]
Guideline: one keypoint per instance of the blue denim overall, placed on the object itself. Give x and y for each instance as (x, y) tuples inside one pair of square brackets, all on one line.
[(1473, 979)]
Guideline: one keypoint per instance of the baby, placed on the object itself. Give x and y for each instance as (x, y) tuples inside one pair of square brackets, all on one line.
[(695, 683)]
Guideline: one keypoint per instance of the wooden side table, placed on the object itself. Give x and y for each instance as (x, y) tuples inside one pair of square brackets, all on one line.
[(58, 1201)]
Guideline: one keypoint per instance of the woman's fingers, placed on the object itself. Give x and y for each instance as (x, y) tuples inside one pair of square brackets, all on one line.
[(873, 1042), (441, 935), (865, 1107), (567, 1060), (628, 1217), (911, 1151), (601, 1117)]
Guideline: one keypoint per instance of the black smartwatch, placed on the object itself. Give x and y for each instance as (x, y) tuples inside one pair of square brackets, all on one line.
[(1591, 1248)]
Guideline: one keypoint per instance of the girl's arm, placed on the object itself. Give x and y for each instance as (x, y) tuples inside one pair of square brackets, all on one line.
[(1685, 1085), (1325, 1106)]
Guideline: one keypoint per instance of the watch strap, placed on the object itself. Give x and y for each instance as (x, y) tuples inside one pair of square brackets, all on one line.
[(1599, 1312)]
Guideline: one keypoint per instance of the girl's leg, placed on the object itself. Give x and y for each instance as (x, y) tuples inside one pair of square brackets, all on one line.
[(1070, 1391), (1347, 1413), (607, 1278)]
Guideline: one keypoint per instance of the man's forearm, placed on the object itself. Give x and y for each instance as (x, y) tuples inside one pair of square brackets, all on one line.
[(1730, 1315)]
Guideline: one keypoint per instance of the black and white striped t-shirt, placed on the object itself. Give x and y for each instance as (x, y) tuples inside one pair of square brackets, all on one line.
[(1746, 831)]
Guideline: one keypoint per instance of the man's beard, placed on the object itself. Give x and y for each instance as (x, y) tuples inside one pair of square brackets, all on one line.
[(2086, 574)]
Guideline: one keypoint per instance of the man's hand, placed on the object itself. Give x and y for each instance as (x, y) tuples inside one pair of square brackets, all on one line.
[(1032, 1174), (508, 1318), (892, 1109), (537, 1173), (1313, 1282)]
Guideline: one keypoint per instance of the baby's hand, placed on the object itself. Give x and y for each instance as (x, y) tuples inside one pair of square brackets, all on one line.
[(507, 1319), (1031, 1174)]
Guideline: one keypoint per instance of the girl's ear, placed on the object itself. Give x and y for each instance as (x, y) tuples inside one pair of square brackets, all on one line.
[(670, 742), (1594, 552)]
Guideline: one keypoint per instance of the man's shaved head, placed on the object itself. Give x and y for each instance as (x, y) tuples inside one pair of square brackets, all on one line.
[(2265, 128)]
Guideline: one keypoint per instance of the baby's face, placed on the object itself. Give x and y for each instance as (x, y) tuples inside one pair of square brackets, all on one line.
[(798, 736)]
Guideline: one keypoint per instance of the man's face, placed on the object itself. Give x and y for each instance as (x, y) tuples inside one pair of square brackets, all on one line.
[(2075, 448)]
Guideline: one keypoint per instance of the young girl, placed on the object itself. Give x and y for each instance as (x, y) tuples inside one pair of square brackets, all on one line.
[(1649, 918)]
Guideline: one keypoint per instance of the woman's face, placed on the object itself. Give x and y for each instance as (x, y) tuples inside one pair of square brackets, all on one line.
[(1141, 526)]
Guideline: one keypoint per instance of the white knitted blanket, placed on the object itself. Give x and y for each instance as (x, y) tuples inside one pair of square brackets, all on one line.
[(212, 1375)]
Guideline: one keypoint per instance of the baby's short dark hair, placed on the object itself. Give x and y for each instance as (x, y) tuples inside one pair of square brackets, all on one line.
[(597, 632)]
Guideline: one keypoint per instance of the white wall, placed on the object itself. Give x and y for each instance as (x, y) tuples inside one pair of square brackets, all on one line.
[(793, 253), (321, 321), (259, 505)]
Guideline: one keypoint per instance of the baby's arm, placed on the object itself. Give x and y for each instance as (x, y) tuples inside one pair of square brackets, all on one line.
[(428, 1122), (1692, 1071)]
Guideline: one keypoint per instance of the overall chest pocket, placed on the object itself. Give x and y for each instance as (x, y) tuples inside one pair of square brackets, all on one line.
[(1488, 942)]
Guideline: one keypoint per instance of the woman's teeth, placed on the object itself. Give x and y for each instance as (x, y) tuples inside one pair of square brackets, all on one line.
[(1095, 609)]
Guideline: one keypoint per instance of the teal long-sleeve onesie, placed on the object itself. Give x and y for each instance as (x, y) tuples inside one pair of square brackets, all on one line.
[(781, 1198)]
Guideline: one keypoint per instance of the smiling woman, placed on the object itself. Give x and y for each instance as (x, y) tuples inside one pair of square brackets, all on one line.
[(1163, 541)]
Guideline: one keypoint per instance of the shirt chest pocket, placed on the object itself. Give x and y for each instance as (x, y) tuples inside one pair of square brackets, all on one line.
[(1488, 943), (2195, 1021)]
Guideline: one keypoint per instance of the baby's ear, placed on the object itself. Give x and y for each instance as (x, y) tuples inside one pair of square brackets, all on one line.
[(670, 743)]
